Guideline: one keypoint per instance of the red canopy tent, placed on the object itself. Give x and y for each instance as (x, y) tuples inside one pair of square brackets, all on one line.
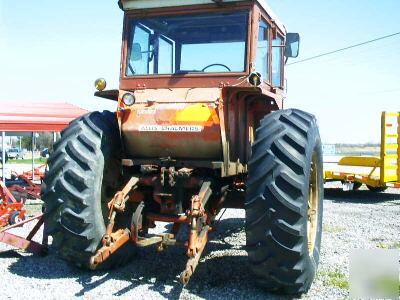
[(35, 117)]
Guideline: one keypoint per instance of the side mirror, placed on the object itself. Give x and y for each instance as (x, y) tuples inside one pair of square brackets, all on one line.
[(136, 53), (292, 46)]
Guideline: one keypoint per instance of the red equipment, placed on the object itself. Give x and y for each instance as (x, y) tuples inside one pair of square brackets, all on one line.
[(12, 215), (25, 243), (11, 210), (39, 173), (22, 187)]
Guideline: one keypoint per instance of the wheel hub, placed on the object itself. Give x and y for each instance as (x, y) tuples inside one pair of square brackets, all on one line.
[(312, 213)]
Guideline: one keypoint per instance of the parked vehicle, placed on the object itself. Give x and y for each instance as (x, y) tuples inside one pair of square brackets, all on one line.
[(376, 172), (15, 153), (1, 155), (45, 153)]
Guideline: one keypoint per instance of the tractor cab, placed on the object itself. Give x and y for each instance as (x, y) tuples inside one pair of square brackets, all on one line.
[(179, 44), (198, 43), (181, 60)]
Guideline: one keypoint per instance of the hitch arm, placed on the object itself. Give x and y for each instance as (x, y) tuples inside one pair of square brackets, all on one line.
[(197, 215), (194, 261), (199, 229), (112, 241)]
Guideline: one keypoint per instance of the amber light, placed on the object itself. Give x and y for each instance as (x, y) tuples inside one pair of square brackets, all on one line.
[(100, 84)]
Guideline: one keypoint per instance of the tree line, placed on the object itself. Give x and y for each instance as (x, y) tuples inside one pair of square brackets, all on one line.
[(42, 140)]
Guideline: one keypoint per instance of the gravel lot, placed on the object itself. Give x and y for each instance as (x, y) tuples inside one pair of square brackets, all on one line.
[(358, 219)]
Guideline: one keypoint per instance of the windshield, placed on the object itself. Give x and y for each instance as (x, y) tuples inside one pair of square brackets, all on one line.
[(188, 44)]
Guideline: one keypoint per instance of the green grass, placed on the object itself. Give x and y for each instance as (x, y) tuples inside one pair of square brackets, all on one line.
[(386, 285), (383, 245), (332, 229), (33, 209), (40, 160), (336, 279)]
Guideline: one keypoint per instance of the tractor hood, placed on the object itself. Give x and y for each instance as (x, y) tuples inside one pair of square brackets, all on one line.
[(172, 123)]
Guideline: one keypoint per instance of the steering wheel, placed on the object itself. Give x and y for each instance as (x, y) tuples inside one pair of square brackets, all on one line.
[(213, 65)]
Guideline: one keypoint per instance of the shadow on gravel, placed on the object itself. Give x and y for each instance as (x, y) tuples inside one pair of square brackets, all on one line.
[(223, 271), (338, 195), (10, 254)]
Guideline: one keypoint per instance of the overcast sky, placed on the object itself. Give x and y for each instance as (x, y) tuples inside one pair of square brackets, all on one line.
[(54, 50)]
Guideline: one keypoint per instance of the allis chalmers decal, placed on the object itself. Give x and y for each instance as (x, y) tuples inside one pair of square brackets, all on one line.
[(171, 128)]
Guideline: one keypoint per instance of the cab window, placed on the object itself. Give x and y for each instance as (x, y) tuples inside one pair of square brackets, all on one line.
[(262, 63), (200, 43), (277, 57)]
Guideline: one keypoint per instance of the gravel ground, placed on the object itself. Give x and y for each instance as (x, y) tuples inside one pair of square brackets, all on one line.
[(358, 219)]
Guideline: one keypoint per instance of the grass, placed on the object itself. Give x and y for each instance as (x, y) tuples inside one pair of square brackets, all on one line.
[(332, 229), (40, 160), (33, 209), (386, 285), (395, 245), (336, 279)]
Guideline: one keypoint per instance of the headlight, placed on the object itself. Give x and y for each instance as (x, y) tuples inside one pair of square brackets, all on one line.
[(100, 84), (128, 99)]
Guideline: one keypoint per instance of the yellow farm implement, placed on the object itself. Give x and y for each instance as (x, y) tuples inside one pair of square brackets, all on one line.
[(377, 173)]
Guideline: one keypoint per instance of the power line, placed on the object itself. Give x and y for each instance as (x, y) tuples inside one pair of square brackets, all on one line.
[(343, 49)]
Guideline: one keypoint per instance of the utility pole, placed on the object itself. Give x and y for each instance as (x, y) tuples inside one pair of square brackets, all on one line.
[(3, 156)]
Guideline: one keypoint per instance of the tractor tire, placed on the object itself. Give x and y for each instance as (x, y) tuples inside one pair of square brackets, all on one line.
[(84, 173), (284, 202), (376, 189)]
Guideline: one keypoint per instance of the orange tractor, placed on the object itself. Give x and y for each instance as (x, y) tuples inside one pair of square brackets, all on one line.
[(199, 127)]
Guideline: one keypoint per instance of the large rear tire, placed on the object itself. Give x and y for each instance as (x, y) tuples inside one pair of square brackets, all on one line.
[(284, 202), (84, 173)]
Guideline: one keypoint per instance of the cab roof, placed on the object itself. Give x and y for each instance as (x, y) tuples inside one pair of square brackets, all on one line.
[(127, 5)]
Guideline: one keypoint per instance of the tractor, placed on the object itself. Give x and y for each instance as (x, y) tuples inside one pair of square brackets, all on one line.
[(199, 126)]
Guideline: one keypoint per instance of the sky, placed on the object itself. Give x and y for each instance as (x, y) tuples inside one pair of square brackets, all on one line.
[(54, 50)]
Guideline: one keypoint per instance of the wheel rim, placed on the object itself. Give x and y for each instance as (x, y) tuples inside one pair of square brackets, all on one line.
[(312, 212), (18, 219)]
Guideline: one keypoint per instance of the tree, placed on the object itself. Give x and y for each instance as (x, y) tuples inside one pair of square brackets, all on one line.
[(44, 140), (26, 142)]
